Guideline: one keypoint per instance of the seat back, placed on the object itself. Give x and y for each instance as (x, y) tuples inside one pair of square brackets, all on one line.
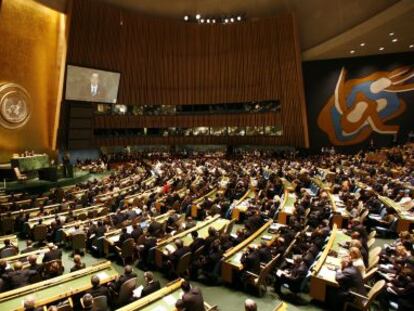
[(82, 216), (128, 248), (126, 291), (364, 215), (264, 273), (197, 253), (7, 252), (373, 253), (7, 225), (39, 233), (372, 234), (100, 303), (373, 262), (18, 174), (183, 263), (373, 293), (79, 241)]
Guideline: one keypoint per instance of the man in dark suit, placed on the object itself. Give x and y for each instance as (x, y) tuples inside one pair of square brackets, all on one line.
[(250, 261), (136, 231), (8, 244), (34, 266), (179, 252), (349, 278), (293, 277), (197, 242), (151, 285), (54, 253), (18, 277), (265, 253), (123, 236), (192, 298), (128, 274), (97, 289)]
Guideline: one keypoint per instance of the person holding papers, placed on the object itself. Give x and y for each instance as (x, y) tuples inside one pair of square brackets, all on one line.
[(293, 276), (151, 285)]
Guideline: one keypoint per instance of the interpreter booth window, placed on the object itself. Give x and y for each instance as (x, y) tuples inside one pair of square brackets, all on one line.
[(273, 130), (218, 131), (236, 131), (254, 130), (200, 131), (120, 109), (103, 108)]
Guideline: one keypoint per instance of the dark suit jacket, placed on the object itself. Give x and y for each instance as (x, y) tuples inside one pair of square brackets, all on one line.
[(20, 278), (251, 262), (52, 255), (122, 279), (150, 288), (123, 237), (193, 300), (99, 291), (350, 279), (175, 257)]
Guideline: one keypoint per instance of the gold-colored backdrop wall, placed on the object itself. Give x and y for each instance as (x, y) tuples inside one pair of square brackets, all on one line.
[(32, 54)]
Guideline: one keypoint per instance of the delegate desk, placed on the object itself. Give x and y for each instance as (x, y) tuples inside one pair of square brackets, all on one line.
[(112, 237), (57, 288), (231, 258), (23, 257), (47, 220), (243, 204), (323, 274), (30, 163), (405, 218), (288, 205), (162, 300), (202, 228)]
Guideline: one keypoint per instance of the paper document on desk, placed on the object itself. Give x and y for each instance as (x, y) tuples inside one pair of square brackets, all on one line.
[(266, 237), (238, 256), (138, 291), (170, 300), (170, 248), (102, 275), (327, 274)]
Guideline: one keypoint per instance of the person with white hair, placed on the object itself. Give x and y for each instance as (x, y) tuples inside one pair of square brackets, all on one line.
[(250, 305), (29, 304)]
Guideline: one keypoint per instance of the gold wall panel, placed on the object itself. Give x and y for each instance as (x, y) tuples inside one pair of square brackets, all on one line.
[(33, 47)]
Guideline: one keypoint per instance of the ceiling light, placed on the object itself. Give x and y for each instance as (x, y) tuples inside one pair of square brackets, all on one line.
[(226, 20), (381, 48), (394, 40), (232, 19), (239, 18), (213, 21), (208, 21), (391, 34), (186, 18), (198, 16), (202, 20), (352, 51), (411, 46), (362, 44)]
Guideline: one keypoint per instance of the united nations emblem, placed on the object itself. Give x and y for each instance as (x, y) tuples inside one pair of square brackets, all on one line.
[(14, 105)]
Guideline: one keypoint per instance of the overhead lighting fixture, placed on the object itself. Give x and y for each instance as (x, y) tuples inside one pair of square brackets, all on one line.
[(411, 46), (232, 19), (213, 21), (239, 18), (362, 44), (198, 16), (381, 48), (391, 34), (186, 18), (352, 51), (394, 40), (202, 20), (208, 21), (226, 20)]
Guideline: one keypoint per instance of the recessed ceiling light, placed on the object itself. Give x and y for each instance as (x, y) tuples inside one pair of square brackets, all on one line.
[(391, 34), (239, 18), (208, 21), (226, 20), (214, 21), (198, 16), (352, 51), (362, 44), (232, 19), (202, 20), (186, 18), (411, 46), (394, 40), (381, 48)]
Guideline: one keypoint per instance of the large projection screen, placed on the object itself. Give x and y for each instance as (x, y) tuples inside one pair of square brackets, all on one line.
[(91, 85)]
